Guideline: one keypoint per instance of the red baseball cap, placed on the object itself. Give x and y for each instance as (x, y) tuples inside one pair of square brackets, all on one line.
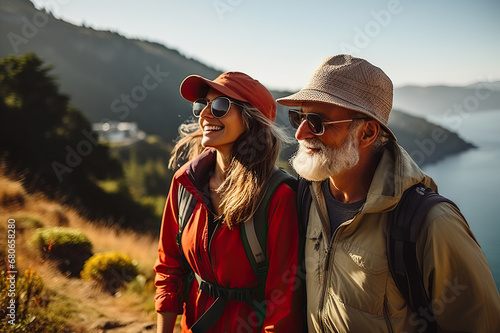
[(235, 85)]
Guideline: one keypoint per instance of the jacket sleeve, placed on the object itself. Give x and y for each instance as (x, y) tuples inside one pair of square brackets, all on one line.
[(283, 292), (456, 274), (169, 268)]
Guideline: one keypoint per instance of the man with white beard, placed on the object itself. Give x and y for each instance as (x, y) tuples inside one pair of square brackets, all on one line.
[(318, 166), (354, 175)]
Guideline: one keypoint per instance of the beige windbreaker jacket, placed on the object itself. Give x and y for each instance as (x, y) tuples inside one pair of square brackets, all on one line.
[(349, 286)]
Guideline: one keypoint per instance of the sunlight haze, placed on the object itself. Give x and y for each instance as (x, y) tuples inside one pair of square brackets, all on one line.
[(282, 42)]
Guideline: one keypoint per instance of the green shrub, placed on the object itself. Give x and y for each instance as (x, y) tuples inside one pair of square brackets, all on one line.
[(111, 270), (32, 311), (25, 222), (70, 248), (155, 203)]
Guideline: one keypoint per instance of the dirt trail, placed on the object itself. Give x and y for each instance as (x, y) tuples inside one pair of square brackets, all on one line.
[(96, 311)]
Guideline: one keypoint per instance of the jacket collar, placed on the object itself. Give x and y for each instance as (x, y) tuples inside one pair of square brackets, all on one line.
[(194, 176), (395, 173), (202, 167)]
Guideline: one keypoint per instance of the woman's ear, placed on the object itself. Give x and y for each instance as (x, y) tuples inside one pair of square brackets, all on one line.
[(369, 133)]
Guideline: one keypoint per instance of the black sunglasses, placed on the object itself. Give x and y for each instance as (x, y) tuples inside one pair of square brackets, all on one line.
[(314, 121), (220, 106)]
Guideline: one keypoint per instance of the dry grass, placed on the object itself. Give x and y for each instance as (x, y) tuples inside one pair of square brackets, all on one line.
[(142, 248), (12, 193), (87, 305)]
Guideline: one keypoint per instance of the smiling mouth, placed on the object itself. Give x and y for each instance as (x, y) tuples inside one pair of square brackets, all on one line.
[(212, 128)]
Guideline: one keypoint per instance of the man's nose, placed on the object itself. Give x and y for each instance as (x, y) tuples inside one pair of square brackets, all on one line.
[(304, 132)]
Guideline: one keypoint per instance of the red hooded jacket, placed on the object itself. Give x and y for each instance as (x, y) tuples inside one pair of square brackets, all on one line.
[(223, 259)]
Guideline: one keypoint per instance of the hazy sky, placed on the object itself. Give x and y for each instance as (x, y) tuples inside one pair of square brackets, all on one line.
[(280, 43)]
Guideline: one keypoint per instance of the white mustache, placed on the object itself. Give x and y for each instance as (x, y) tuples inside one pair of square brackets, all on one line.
[(312, 143), (326, 161)]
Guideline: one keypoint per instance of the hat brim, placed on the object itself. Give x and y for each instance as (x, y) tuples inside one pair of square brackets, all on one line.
[(195, 86), (310, 95)]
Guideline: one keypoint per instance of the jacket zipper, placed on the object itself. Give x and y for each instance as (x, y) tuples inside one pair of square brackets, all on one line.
[(386, 316), (210, 238), (329, 255), (325, 277)]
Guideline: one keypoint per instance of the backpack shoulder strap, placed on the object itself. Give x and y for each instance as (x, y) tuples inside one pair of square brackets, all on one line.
[(254, 231), (304, 201), (404, 226), (186, 202)]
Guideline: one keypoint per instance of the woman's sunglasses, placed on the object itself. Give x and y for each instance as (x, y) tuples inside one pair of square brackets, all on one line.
[(314, 121), (220, 106)]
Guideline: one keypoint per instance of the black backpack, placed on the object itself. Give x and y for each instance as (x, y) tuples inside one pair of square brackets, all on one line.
[(254, 238), (404, 226)]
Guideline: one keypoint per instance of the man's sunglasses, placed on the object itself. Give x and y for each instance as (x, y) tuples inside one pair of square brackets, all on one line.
[(314, 121), (220, 106)]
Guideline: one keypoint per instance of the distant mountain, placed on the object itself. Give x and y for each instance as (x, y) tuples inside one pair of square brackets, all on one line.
[(110, 77), (448, 101), (425, 142)]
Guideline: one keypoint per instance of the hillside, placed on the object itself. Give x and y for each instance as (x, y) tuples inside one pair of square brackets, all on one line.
[(425, 142), (448, 102), (107, 75), (69, 304), (110, 77)]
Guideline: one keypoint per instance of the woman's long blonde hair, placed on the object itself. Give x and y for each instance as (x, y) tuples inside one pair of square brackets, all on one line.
[(253, 159)]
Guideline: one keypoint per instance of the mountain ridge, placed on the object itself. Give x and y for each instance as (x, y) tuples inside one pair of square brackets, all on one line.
[(439, 100), (111, 77)]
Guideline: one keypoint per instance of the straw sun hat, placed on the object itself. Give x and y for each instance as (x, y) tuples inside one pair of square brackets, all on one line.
[(349, 82)]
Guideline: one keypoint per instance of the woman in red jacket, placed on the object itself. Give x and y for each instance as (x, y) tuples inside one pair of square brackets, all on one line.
[(231, 153)]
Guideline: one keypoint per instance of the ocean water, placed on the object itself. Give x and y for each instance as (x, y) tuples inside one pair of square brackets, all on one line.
[(472, 180)]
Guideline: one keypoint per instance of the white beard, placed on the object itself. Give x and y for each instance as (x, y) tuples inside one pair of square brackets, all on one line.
[(328, 162)]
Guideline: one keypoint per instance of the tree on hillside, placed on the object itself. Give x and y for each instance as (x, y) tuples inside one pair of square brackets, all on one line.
[(41, 132), (51, 146)]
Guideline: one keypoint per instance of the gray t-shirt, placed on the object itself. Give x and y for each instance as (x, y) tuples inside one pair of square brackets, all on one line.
[(339, 212)]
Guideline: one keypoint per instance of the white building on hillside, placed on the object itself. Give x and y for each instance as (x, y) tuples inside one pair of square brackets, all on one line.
[(118, 132)]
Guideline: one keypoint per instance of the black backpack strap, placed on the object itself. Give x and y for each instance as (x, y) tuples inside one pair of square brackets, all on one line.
[(221, 296), (304, 201), (186, 204), (404, 226)]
